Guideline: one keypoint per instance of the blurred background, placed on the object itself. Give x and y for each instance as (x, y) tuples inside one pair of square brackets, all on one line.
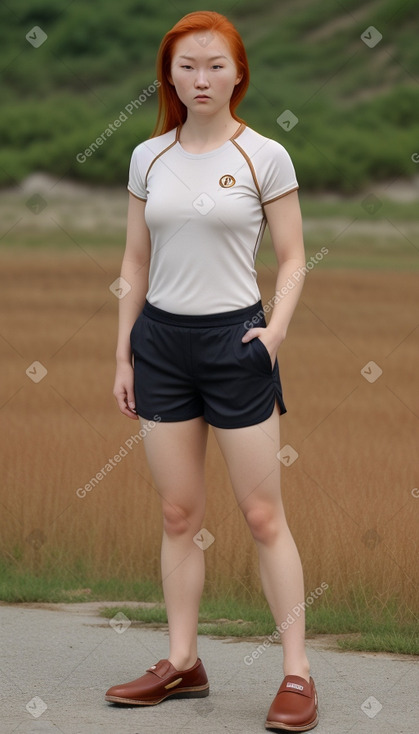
[(357, 103), (337, 83)]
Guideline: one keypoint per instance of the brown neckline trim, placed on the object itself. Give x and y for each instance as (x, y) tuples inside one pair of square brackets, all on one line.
[(239, 131), (156, 158)]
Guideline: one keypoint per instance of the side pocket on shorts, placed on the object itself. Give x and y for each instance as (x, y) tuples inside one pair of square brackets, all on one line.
[(134, 333), (262, 349), (252, 355)]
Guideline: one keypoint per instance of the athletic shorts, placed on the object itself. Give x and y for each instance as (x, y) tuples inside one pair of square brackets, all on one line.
[(189, 366)]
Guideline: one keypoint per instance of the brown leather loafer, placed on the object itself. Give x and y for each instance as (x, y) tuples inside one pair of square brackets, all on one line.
[(294, 707), (159, 682)]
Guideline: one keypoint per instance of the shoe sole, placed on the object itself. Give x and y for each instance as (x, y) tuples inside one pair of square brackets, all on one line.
[(289, 727), (198, 692)]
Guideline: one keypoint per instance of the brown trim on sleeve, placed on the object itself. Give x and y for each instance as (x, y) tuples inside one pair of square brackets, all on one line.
[(280, 196), (259, 237), (137, 197)]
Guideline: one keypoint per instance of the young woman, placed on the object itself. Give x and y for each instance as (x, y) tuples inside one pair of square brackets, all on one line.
[(202, 190)]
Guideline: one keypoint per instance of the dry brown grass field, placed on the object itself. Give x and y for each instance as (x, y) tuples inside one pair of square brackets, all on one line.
[(350, 495)]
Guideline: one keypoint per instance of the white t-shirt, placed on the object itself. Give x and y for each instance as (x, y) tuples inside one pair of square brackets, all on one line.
[(206, 219)]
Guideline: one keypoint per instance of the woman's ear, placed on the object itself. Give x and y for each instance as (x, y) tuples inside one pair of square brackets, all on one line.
[(238, 80)]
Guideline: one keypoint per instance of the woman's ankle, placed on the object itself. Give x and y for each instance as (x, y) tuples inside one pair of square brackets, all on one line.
[(182, 662), (301, 668)]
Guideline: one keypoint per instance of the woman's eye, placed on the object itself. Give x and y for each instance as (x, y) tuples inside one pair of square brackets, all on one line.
[(187, 66)]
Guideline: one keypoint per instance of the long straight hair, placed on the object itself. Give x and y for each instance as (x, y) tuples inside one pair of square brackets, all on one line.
[(172, 112)]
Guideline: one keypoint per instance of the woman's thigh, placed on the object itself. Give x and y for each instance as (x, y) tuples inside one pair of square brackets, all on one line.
[(251, 457), (176, 456)]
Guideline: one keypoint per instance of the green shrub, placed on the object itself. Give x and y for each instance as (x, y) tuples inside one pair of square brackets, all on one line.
[(357, 106)]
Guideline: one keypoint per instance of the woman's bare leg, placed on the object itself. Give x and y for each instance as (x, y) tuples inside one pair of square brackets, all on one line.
[(251, 457), (176, 456)]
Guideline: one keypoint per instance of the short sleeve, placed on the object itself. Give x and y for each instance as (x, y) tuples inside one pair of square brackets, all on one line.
[(136, 177), (278, 176)]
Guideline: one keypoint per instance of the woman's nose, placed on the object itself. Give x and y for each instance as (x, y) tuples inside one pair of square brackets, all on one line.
[(201, 79)]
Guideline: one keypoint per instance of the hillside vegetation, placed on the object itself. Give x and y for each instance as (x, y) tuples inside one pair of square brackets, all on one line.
[(357, 104)]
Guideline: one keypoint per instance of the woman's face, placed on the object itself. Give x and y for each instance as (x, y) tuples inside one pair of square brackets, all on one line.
[(203, 72)]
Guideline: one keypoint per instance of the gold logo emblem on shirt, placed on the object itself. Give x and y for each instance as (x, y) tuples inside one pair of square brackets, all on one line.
[(227, 181)]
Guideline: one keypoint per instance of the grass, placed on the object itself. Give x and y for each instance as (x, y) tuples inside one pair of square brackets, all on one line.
[(364, 251), (386, 240), (363, 627), (59, 583), (361, 623), (352, 208)]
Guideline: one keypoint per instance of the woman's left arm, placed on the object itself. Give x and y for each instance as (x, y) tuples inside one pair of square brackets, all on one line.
[(285, 225)]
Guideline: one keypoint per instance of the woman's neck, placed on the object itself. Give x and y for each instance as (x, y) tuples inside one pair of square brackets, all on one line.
[(206, 133)]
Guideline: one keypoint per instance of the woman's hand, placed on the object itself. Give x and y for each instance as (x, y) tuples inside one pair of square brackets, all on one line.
[(271, 343), (124, 389)]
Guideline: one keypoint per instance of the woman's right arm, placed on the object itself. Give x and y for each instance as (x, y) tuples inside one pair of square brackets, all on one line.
[(134, 269)]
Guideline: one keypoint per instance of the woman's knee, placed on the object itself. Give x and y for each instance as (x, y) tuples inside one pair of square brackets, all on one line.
[(265, 521), (181, 520)]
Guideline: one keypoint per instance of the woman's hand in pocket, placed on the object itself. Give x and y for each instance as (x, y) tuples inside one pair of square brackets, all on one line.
[(266, 338)]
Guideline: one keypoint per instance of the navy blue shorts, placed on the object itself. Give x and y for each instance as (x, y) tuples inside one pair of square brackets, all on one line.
[(188, 366)]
